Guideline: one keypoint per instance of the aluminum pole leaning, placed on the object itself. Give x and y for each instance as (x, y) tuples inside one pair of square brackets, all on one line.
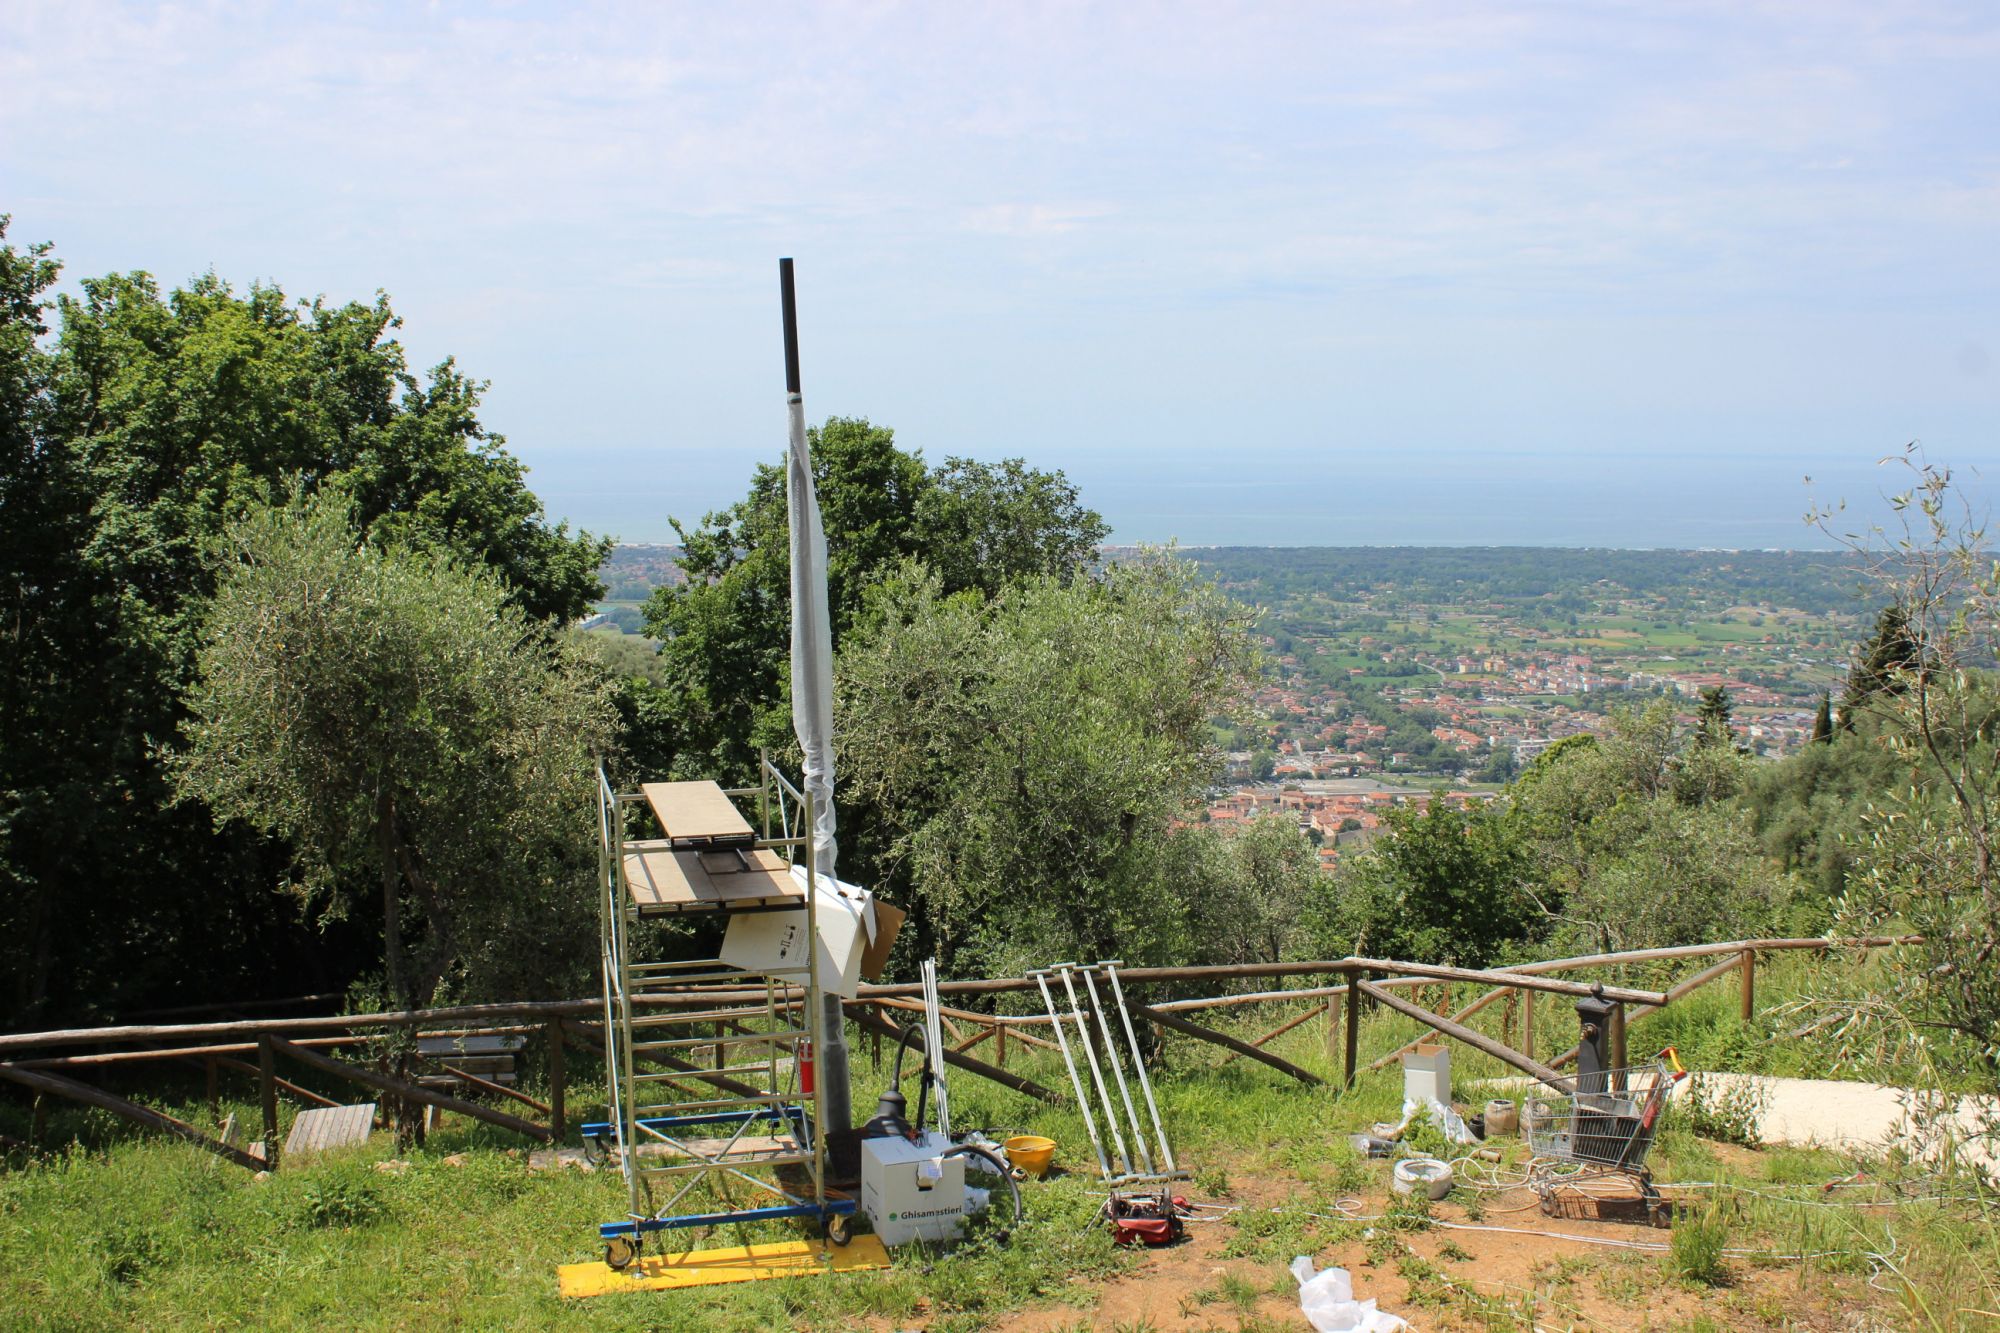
[(1041, 977), (935, 1047), (1118, 1072), (1139, 1063), (1125, 1159)]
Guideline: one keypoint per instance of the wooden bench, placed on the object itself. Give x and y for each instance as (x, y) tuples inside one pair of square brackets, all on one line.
[(492, 1057)]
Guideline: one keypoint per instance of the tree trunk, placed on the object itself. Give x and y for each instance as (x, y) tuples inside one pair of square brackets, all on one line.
[(392, 902), (405, 1114)]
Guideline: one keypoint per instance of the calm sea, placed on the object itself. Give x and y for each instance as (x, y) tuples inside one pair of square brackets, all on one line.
[(1300, 497)]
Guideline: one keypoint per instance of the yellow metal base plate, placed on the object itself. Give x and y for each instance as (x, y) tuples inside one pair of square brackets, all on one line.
[(737, 1263)]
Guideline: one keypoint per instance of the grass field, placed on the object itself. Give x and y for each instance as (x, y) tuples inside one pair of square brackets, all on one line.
[(116, 1231)]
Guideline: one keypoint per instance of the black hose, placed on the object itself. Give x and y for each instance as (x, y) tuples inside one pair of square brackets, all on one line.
[(1001, 1168), (923, 1082), (902, 1044)]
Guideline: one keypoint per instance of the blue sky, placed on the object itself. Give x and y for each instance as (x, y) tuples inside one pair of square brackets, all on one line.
[(1323, 273)]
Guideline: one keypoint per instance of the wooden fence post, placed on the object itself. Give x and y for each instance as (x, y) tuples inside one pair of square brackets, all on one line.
[(1618, 1056), (558, 1078), (1528, 1024), (1332, 1033), (1353, 1023), (267, 1078), (999, 1044), (1749, 984)]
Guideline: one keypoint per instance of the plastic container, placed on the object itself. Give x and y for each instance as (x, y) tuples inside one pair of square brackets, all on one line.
[(1031, 1152), (1423, 1175)]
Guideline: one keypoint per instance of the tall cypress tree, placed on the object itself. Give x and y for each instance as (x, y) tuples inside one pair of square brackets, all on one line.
[(1822, 732), (1892, 649), (1713, 718)]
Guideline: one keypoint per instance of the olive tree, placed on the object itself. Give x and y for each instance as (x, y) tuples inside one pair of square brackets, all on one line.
[(1018, 766), (1929, 855), (420, 743)]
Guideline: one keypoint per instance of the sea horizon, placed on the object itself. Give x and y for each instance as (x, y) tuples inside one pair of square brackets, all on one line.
[(1296, 498)]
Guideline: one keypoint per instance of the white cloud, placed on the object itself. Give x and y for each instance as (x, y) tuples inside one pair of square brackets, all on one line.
[(1033, 174)]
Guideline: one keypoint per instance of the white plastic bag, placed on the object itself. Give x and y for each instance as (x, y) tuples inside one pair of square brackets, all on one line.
[(1327, 1299)]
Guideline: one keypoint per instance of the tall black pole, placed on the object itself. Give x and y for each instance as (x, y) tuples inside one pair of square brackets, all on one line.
[(832, 1057)]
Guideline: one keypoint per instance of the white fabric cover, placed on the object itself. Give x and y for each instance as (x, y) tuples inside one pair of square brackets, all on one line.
[(1327, 1300)]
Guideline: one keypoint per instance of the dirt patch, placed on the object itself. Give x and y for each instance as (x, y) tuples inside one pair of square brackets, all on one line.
[(1533, 1275)]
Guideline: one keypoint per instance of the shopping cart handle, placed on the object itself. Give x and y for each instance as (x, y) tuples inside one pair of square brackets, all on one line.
[(1673, 1058)]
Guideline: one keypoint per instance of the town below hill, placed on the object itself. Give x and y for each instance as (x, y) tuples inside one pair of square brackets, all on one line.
[(1449, 662), (1394, 669)]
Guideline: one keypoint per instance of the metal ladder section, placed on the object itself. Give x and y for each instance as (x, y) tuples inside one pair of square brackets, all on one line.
[(1126, 1164), (697, 1130)]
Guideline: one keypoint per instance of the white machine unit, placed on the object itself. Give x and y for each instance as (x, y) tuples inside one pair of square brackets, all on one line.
[(910, 1191)]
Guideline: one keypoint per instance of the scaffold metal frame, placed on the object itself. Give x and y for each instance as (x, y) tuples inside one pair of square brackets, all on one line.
[(704, 1137)]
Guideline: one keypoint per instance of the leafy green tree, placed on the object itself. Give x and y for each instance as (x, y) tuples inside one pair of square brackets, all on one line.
[(46, 596), (1019, 766), (1258, 894), (1635, 840), (413, 737), (1444, 885), (1807, 809), (133, 437), (983, 525), (725, 632)]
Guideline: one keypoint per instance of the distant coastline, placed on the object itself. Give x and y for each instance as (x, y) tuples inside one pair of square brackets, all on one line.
[(1287, 498)]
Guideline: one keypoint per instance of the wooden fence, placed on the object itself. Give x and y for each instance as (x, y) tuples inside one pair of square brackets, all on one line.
[(317, 1042)]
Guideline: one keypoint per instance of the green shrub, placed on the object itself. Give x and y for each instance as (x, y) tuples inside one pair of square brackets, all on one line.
[(1697, 1248), (1424, 1138), (1726, 1113), (131, 1247), (339, 1197)]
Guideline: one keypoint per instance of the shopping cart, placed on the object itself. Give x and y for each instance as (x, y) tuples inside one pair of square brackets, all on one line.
[(1602, 1130)]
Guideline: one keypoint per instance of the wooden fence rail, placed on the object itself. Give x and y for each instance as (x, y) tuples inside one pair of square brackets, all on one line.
[(560, 1021)]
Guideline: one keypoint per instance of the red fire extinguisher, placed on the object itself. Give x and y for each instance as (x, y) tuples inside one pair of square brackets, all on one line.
[(806, 1066)]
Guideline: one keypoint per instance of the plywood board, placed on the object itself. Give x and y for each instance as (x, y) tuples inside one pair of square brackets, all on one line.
[(697, 814), (326, 1127), (737, 1263), (662, 879), (748, 1150)]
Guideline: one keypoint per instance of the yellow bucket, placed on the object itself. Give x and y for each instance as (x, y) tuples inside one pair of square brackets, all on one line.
[(1031, 1152)]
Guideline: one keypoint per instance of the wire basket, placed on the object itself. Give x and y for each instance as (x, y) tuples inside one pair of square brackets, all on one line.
[(1610, 1119)]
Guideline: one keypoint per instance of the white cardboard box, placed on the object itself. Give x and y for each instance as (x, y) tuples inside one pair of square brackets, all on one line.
[(775, 942), (908, 1193), (1427, 1075)]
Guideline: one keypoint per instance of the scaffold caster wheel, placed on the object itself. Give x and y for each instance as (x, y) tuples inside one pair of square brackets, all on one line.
[(838, 1229), (619, 1252)]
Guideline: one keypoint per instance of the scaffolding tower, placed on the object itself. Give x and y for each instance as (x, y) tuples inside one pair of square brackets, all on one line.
[(684, 1103)]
